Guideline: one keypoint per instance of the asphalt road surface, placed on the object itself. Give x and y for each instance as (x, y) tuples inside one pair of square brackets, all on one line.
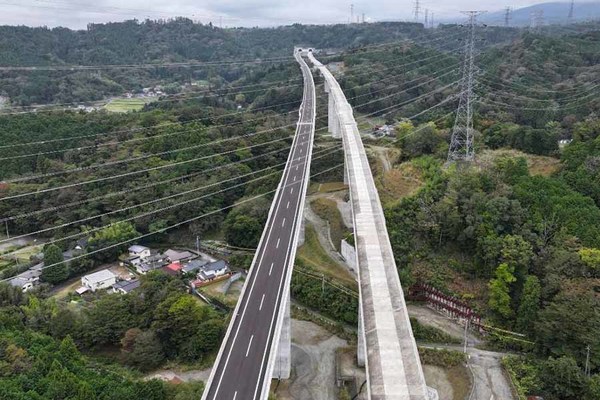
[(241, 367)]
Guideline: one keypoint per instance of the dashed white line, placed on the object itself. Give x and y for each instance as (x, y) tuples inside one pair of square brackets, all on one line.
[(235, 395), (291, 190), (295, 178), (271, 269), (297, 167), (288, 205), (301, 150), (249, 344), (283, 223), (262, 300), (277, 245)]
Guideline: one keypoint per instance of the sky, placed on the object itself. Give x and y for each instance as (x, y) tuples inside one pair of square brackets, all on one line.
[(76, 14)]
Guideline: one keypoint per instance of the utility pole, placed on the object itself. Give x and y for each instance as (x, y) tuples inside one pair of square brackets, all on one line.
[(198, 244), (351, 13), (461, 144), (507, 16), (426, 18), (571, 9), (431, 20), (587, 361), (467, 320), (417, 10), (7, 232)]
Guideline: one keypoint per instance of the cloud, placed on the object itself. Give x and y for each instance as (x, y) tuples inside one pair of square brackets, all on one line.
[(78, 13)]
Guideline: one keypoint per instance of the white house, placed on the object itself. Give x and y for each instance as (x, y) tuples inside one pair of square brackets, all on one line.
[(99, 280), (139, 251), (213, 270)]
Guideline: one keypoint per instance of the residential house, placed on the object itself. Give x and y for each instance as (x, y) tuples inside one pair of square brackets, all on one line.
[(125, 287), (22, 283), (194, 265), (173, 269), (102, 279), (213, 270), (151, 263), (139, 251), (175, 256)]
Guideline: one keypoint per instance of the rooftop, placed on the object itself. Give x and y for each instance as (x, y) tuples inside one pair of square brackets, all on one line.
[(100, 276), (215, 266), (127, 286), (194, 265), (136, 248)]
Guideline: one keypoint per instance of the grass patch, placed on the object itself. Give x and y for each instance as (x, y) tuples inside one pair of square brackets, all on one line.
[(229, 299), (329, 187), (327, 210), (126, 105), (313, 255), (401, 181), (538, 165), (442, 357), (431, 334)]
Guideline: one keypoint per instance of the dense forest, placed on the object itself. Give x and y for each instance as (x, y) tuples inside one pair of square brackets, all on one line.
[(41, 342), (179, 40)]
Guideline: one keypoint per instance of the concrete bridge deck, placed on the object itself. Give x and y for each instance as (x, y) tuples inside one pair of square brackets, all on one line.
[(392, 361)]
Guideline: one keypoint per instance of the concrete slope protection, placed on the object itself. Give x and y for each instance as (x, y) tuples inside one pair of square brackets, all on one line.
[(246, 359), (392, 361)]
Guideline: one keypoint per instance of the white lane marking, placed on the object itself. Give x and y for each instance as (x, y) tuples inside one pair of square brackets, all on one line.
[(249, 344), (295, 178), (277, 245), (235, 395), (261, 302), (283, 223), (288, 205), (301, 150), (291, 190), (297, 167), (271, 269)]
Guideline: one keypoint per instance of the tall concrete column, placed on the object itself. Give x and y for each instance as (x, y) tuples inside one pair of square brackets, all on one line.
[(301, 234), (331, 114), (283, 362), (360, 350)]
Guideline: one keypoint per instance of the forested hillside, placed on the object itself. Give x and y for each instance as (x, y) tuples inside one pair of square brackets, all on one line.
[(180, 40)]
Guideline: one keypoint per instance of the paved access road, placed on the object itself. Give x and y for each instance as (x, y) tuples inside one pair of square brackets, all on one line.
[(241, 370)]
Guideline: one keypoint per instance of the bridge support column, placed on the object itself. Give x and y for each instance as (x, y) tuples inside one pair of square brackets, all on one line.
[(360, 350), (301, 233), (283, 362), (331, 114)]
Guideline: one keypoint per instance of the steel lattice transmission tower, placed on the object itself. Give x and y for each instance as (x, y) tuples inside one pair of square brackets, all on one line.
[(461, 144), (571, 13)]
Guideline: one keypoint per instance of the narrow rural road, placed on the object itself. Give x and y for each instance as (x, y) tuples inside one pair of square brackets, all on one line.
[(490, 382)]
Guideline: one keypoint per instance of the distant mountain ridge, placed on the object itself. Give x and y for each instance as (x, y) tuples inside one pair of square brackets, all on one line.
[(554, 13)]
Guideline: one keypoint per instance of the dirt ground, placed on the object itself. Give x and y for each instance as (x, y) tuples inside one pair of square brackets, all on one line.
[(437, 378), (313, 363)]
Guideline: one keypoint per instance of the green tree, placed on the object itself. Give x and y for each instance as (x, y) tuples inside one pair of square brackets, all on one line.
[(242, 230), (590, 257), (499, 300), (530, 304), (562, 379), (55, 270), (147, 352)]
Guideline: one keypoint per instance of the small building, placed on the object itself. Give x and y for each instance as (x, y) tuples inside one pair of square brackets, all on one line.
[(139, 251), (213, 270), (124, 287), (194, 265), (173, 269), (22, 283), (179, 256), (99, 280), (145, 267)]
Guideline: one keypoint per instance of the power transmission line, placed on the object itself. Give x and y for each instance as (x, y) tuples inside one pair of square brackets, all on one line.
[(182, 222), (461, 144)]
